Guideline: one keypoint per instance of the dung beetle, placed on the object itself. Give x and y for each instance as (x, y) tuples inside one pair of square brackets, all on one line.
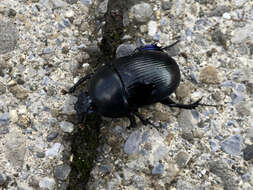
[(147, 76)]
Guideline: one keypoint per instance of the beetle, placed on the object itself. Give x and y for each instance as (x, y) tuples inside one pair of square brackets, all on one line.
[(147, 76)]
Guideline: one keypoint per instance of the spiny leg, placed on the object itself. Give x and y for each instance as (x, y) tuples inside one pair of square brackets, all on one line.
[(171, 103), (79, 82), (143, 119), (132, 121)]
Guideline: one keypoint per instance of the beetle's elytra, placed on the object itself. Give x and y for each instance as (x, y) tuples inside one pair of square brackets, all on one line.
[(118, 89)]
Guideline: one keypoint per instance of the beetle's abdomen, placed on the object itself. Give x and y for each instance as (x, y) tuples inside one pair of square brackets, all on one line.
[(148, 77), (107, 93)]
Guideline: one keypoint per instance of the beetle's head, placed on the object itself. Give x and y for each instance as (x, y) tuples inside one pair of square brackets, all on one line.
[(83, 106)]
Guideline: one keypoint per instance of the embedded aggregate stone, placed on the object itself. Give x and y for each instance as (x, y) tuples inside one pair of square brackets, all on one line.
[(248, 152), (228, 178), (67, 127), (141, 12), (47, 183), (125, 50), (158, 169), (232, 145), (8, 37), (131, 146), (61, 172), (51, 136), (2, 179)]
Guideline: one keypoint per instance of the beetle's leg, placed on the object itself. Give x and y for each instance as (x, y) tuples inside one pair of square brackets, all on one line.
[(79, 82), (170, 46), (143, 120), (171, 103), (132, 121)]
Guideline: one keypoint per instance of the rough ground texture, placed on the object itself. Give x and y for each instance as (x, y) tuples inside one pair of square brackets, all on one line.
[(47, 45)]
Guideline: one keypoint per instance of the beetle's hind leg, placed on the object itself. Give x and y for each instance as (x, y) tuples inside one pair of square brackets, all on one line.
[(79, 82), (132, 121), (171, 103)]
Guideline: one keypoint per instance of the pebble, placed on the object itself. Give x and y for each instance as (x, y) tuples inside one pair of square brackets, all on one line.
[(152, 28), (182, 158), (8, 37), (241, 33), (2, 179), (141, 12), (171, 171), (47, 183), (219, 38), (228, 178), (125, 50), (19, 92), (219, 11), (41, 154), (13, 116), (54, 150), (4, 118), (244, 109), (232, 145), (67, 127), (51, 136), (209, 75), (226, 16), (69, 14), (214, 144), (86, 2), (131, 146), (15, 148), (158, 169), (248, 152), (61, 172), (184, 185), (2, 87), (167, 4)]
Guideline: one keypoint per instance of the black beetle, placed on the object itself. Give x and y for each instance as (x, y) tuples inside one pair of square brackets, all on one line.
[(147, 76)]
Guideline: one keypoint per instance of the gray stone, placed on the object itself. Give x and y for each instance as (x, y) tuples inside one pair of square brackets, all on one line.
[(61, 172), (19, 92), (244, 108), (248, 152), (8, 37), (214, 145), (51, 136), (15, 148), (54, 150), (131, 146), (4, 118), (185, 120), (232, 145), (40, 154), (71, 1), (167, 4), (67, 127), (2, 179), (86, 2), (219, 11), (219, 38), (182, 158), (125, 50), (141, 12), (47, 183), (228, 178), (184, 185), (158, 169), (102, 8)]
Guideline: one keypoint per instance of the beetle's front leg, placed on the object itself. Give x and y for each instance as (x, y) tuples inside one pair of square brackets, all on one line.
[(143, 119), (79, 82)]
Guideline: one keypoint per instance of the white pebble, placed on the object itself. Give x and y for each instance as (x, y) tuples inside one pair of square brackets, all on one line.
[(152, 28), (226, 16)]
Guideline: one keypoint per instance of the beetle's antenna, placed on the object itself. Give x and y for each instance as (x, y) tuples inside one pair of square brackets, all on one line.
[(171, 45)]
